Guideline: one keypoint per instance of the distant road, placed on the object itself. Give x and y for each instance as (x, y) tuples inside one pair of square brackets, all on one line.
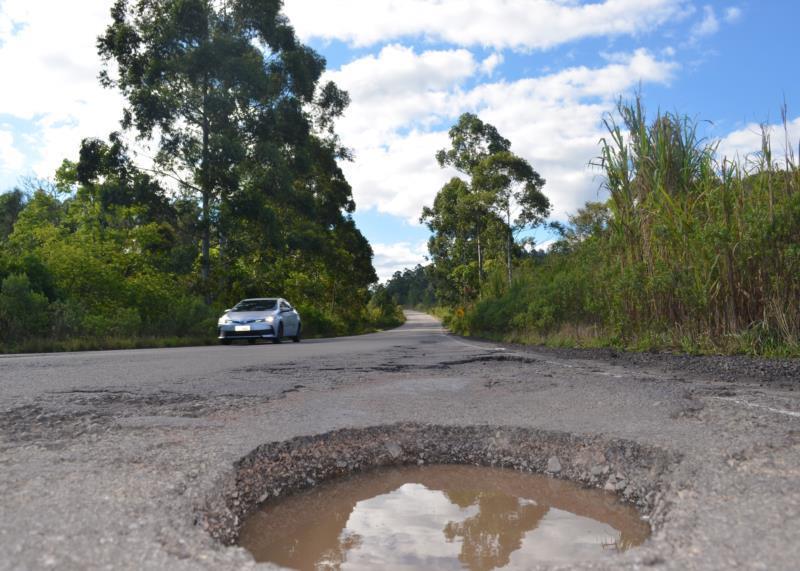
[(104, 456)]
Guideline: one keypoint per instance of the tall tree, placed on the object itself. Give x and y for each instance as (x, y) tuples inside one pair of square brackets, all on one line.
[(514, 188), (501, 196), (225, 85), (11, 205)]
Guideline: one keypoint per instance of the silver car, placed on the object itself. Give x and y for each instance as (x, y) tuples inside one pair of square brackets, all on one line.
[(260, 318)]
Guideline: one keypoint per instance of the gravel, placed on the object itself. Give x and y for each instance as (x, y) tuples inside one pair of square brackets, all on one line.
[(281, 468)]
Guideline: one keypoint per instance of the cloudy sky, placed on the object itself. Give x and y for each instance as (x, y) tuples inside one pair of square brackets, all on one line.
[(542, 71)]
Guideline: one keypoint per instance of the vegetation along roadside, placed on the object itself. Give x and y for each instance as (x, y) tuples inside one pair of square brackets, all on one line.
[(689, 252), (242, 197)]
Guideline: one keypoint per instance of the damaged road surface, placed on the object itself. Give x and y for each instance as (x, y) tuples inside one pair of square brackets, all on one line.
[(149, 459)]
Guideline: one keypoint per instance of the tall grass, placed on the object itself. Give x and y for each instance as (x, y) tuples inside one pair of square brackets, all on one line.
[(693, 250)]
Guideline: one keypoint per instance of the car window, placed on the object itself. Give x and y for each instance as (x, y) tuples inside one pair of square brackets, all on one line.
[(255, 305)]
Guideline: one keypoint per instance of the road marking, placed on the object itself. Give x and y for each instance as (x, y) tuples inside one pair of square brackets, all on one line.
[(754, 405)]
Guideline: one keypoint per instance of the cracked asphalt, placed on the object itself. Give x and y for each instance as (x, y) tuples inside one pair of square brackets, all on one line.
[(106, 456)]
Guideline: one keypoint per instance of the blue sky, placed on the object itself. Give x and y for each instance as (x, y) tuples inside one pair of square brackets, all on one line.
[(542, 71)]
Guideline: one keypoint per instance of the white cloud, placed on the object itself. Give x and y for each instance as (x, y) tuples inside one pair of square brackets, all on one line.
[(398, 86), (400, 176), (733, 14), (552, 120), (11, 160), (50, 62), (708, 26), (745, 143), (526, 24), (489, 64), (390, 258)]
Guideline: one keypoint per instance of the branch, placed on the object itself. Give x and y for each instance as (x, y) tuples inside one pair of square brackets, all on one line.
[(174, 177)]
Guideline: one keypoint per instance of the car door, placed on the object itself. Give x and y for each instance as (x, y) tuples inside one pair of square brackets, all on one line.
[(295, 319), (289, 318)]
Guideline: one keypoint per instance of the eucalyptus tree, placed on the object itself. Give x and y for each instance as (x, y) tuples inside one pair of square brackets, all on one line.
[(227, 91), (459, 216), (453, 220), (515, 190), (502, 195)]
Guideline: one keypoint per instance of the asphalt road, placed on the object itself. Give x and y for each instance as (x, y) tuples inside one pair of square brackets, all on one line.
[(105, 456)]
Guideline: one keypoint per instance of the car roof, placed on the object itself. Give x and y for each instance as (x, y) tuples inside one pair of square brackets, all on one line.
[(262, 299)]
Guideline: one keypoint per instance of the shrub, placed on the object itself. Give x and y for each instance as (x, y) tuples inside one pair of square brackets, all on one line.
[(23, 312)]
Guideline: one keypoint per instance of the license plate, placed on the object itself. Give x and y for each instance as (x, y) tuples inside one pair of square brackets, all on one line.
[(242, 328)]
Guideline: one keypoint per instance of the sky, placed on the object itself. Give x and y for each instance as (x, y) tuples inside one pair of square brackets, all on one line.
[(544, 72)]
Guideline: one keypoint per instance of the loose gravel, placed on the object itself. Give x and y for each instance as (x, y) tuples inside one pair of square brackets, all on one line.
[(272, 470)]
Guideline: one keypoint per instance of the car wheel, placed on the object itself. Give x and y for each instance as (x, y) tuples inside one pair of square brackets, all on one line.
[(296, 338), (225, 341), (279, 337)]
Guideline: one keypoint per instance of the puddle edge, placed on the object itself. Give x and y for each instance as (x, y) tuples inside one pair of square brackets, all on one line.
[(636, 472)]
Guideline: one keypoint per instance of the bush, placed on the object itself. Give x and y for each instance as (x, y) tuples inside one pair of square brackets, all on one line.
[(690, 252), (382, 310), (23, 312), (318, 323)]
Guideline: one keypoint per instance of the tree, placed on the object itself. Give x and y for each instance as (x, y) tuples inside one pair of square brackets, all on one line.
[(226, 86), (412, 287), (23, 312), (514, 188), (11, 205), (501, 197), (456, 221)]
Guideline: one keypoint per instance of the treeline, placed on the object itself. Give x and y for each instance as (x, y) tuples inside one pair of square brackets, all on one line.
[(689, 252), (244, 196), (413, 288)]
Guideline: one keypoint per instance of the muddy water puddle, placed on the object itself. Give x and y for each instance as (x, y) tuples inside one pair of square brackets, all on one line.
[(441, 517)]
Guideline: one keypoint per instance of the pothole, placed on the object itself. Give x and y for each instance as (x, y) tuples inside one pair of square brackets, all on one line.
[(441, 517), (635, 473)]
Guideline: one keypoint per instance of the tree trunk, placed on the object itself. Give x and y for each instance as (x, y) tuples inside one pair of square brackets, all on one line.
[(508, 245), (480, 267), (205, 189)]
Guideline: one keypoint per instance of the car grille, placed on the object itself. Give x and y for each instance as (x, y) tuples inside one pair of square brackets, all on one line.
[(235, 334)]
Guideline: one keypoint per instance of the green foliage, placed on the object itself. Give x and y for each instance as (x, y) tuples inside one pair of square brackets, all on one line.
[(243, 124), (689, 252), (76, 274), (23, 312), (11, 205), (475, 222), (114, 262), (413, 288), (383, 310), (257, 203)]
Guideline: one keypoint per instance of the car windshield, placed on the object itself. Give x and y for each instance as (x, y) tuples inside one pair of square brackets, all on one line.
[(255, 305)]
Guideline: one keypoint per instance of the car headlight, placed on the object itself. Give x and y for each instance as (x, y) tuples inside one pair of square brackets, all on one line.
[(224, 321), (269, 319)]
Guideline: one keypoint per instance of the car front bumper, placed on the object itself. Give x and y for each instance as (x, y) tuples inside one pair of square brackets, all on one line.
[(251, 331)]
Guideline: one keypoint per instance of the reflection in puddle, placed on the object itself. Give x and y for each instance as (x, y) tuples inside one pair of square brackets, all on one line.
[(441, 517)]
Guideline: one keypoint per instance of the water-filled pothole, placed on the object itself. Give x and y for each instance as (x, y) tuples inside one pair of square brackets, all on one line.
[(442, 516)]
